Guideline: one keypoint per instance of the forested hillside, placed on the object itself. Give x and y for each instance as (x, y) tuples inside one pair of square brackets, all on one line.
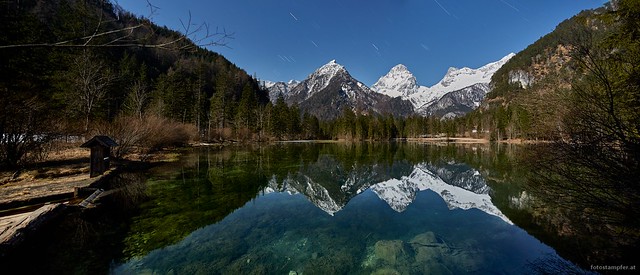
[(579, 88), (77, 68), (72, 69), (533, 91)]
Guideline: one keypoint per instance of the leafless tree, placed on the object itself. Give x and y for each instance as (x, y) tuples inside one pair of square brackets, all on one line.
[(138, 98), (90, 79), (24, 129)]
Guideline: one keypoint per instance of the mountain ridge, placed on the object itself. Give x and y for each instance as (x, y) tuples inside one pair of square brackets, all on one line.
[(330, 90), (401, 82), (398, 92)]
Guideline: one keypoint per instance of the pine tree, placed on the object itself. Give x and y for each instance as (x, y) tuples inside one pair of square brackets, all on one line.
[(293, 121), (217, 108), (278, 119), (310, 126), (246, 115)]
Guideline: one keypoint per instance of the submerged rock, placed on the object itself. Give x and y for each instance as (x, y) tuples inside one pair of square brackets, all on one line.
[(386, 271), (425, 253), (424, 239), (390, 251), (428, 248), (436, 256)]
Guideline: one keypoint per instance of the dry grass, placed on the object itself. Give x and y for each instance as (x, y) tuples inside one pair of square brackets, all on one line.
[(64, 154), (65, 162), (158, 156), (65, 167)]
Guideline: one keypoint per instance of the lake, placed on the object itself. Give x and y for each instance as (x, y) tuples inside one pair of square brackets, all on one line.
[(312, 208)]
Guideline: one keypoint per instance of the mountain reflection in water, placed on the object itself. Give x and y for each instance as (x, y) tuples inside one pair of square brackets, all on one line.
[(334, 209), (459, 185)]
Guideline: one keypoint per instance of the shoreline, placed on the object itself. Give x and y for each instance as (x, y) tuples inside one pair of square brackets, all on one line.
[(59, 178), (464, 140), (450, 140)]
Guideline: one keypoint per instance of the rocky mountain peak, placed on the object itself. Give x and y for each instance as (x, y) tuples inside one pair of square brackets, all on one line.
[(277, 89), (329, 90), (470, 84), (330, 69), (400, 68), (399, 81)]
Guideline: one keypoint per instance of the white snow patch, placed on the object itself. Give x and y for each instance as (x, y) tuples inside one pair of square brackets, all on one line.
[(400, 82)]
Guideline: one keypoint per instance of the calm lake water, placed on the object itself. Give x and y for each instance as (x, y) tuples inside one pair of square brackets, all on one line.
[(309, 208)]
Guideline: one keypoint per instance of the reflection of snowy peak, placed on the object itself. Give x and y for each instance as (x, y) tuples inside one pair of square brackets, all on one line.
[(315, 192), (327, 184), (399, 194), (460, 175), (455, 197), (330, 186), (320, 197)]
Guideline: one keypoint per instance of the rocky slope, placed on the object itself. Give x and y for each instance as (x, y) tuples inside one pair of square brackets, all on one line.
[(280, 88), (328, 91)]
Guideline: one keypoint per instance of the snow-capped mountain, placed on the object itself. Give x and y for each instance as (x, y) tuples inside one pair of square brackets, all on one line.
[(320, 79), (330, 89), (400, 82), (279, 88), (456, 79)]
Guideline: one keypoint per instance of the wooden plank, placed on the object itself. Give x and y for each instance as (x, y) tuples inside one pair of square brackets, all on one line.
[(91, 199), (16, 227), (13, 196)]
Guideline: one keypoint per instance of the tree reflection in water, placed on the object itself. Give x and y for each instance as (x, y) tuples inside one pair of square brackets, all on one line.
[(160, 207)]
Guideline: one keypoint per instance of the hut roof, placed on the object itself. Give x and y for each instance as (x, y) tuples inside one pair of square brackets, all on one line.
[(100, 140)]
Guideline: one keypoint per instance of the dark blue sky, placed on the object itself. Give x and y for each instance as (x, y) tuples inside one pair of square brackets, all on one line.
[(280, 40)]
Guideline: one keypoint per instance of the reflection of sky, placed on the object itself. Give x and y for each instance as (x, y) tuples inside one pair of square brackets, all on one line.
[(268, 229)]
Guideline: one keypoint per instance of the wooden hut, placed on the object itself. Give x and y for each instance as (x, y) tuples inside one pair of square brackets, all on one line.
[(100, 153)]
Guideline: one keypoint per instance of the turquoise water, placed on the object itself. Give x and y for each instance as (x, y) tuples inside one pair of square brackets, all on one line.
[(279, 232), (327, 209)]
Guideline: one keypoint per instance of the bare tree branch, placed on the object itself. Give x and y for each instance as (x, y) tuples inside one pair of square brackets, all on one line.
[(190, 38)]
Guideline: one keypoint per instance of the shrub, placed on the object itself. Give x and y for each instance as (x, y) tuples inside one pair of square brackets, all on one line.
[(148, 133)]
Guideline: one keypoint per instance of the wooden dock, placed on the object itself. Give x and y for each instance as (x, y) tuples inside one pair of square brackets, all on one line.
[(13, 196), (15, 228), (24, 209)]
